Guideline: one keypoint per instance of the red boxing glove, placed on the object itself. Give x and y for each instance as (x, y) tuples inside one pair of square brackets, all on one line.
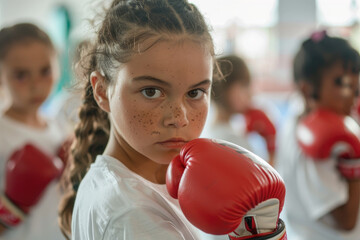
[(225, 189), (323, 134), (64, 150), (28, 172), (257, 121)]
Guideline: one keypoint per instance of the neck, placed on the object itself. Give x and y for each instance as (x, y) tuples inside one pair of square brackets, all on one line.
[(28, 117), (118, 148)]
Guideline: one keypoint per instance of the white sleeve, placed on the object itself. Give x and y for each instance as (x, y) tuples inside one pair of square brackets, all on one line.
[(142, 223), (321, 187)]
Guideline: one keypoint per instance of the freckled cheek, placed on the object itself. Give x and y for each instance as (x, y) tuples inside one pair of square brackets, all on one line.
[(46, 89), (198, 118), (49, 82), (143, 122), (20, 92), (18, 86)]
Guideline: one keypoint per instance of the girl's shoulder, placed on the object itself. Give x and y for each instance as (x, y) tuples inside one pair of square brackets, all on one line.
[(13, 124), (108, 177), (109, 191), (15, 134), (110, 183)]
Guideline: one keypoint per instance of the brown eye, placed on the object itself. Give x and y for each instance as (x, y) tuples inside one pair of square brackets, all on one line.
[(151, 93), (195, 94), (20, 75), (46, 71), (338, 81)]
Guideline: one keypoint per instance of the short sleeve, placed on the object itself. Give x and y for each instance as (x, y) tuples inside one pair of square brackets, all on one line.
[(142, 223), (321, 187)]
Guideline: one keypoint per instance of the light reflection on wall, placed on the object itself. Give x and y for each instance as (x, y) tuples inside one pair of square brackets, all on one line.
[(245, 28), (252, 29), (250, 13), (338, 12)]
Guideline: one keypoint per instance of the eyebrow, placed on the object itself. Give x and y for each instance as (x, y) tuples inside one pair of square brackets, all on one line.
[(20, 70), (206, 81), (162, 82), (150, 78)]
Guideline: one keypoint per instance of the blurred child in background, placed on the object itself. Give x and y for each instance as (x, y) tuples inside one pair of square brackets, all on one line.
[(322, 199), (29, 141), (232, 96)]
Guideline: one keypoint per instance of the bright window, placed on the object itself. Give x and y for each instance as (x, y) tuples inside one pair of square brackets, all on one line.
[(250, 13), (338, 12)]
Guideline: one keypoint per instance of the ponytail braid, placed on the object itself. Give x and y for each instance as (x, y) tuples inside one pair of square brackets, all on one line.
[(91, 137)]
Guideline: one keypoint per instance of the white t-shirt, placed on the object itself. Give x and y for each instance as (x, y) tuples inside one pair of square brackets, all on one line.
[(313, 189), (227, 132), (114, 203), (41, 223)]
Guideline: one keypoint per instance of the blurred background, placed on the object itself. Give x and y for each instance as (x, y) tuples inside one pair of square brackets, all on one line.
[(266, 33)]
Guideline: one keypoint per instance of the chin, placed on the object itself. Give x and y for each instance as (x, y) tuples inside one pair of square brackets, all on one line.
[(166, 158), (346, 112)]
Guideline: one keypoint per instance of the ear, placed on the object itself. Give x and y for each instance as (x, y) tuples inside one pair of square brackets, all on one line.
[(306, 89), (99, 87)]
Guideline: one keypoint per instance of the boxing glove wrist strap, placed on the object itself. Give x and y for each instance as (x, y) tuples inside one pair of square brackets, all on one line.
[(349, 168), (10, 214), (278, 234)]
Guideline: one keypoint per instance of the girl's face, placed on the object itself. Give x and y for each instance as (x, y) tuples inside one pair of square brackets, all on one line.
[(239, 97), (27, 73), (161, 97), (338, 89)]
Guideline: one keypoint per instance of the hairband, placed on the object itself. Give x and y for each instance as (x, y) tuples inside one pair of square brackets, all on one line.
[(318, 36)]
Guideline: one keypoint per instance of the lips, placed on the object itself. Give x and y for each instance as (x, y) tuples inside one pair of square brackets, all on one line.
[(173, 143), (38, 100)]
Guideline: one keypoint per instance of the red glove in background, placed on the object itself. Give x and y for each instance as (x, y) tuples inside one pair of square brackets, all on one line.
[(257, 121), (27, 174), (64, 150), (323, 134)]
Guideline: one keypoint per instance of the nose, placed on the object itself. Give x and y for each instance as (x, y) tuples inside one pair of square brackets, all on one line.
[(176, 116), (350, 87), (36, 84)]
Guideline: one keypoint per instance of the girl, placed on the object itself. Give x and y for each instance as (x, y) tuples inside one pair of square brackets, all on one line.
[(147, 92), (28, 71), (321, 202), (233, 96)]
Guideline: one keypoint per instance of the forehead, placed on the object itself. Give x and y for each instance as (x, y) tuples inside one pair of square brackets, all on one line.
[(341, 66), (172, 61), (339, 69), (28, 53)]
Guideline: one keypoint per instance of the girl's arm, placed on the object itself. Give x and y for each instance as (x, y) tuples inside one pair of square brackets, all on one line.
[(345, 216), (2, 229)]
